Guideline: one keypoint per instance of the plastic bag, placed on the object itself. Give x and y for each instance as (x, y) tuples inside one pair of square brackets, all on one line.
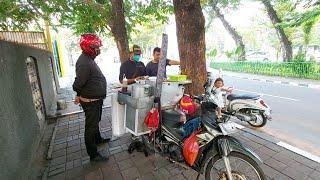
[(152, 119), (191, 148)]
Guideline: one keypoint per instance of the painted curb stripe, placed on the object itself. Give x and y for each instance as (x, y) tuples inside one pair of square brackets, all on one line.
[(299, 151)]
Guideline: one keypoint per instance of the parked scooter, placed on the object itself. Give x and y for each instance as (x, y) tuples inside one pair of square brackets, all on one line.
[(249, 108), (220, 156)]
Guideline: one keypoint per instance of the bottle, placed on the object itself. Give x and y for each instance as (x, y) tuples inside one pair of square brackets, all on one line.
[(124, 84)]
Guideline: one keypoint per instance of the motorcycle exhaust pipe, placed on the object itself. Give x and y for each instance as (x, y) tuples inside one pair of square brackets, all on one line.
[(243, 117)]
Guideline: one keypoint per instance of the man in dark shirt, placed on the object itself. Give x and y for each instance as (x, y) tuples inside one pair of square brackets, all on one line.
[(133, 69), (152, 66), (90, 85)]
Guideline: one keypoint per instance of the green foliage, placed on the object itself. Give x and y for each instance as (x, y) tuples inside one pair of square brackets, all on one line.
[(310, 69), (81, 16), (307, 19), (300, 57), (234, 54), (213, 53)]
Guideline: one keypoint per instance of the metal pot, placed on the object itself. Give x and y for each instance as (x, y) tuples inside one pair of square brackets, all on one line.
[(141, 90)]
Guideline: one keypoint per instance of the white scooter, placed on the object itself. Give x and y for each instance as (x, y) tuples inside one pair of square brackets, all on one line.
[(249, 108)]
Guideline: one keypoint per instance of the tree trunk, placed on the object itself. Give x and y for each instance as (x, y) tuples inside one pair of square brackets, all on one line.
[(234, 34), (285, 42), (191, 43), (118, 29)]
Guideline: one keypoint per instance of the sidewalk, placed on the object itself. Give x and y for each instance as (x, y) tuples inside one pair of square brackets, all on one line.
[(70, 160), (271, 79)]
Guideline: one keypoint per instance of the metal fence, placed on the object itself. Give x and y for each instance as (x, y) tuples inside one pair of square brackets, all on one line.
[(310, 70), (34, 39)]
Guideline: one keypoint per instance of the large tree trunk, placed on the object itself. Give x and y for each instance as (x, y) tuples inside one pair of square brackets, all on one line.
[(118, 29), (234, 34), (285, 42), (191, 42)]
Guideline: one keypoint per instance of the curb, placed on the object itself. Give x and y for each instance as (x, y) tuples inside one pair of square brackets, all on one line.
[(312, 86), (278, 142)]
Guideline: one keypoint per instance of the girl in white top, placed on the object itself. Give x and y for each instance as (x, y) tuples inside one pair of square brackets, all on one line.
[(215, 91)]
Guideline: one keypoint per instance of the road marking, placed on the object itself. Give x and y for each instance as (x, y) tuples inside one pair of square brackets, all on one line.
[(262, 94), (299, 151), (293, 83)]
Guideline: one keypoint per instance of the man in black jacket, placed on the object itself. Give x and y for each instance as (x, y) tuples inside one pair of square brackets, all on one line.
[(90, 85)]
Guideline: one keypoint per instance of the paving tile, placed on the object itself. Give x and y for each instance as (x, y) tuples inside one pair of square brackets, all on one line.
[(58, 161), (130, 174), (111, 174), (308, 162), (73, 156), (276, 164), (190, 174), (73, 149), (76, 173), (274, 147), (148, 176), (284, 158), (73, 142), (59, 153), (267, 151), (57, 170), (269, 171), (57, 176), (77, 162), (94, 175), (69, 165), (282, 177), (315, 175), (125, 164), (294, 173), (122, 156), (262, 155), (302, 168), (177, 177), (146, 167)]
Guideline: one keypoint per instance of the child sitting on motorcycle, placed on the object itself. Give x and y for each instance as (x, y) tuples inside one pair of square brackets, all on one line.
[(215, 91)]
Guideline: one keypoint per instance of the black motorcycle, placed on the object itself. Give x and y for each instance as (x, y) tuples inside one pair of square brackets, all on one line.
[(220, 156)]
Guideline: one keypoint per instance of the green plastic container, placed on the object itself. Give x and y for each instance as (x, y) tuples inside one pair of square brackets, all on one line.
[(177, 78)]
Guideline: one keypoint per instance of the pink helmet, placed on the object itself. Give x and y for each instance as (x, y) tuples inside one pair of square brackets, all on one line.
[(88, 43)]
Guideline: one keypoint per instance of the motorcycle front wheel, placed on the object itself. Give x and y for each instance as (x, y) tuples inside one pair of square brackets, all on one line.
[(242, 168)]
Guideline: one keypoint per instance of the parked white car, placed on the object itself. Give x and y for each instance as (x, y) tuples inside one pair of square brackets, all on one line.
[(258, 56)]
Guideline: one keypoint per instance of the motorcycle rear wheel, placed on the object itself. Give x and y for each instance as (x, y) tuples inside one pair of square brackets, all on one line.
[(261, 121), (242, 168)]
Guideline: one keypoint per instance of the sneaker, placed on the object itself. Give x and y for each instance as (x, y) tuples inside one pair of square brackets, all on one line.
[(99, 158)]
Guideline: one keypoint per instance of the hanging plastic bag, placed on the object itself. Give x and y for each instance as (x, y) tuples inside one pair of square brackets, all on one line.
[(191, 148), (152, 119)]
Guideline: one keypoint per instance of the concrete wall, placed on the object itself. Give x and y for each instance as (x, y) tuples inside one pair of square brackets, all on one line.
[(19, 127)]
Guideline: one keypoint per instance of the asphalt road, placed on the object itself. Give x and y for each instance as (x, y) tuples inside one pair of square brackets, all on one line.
[(295, 111)]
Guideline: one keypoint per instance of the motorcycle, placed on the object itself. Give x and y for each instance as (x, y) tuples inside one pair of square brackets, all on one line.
[(248, 107), (220, 155)]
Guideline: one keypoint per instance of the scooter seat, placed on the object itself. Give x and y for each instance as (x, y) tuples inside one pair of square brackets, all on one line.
[(232, 97)]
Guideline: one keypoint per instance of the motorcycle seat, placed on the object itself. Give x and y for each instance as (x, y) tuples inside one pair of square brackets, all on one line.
[(232, 97), (171, 118), (176, 132)]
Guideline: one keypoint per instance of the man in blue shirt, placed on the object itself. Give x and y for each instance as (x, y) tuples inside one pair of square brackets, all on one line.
[(152, 66)]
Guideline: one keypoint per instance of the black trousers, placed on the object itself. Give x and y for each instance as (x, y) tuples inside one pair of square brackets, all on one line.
[(92, 136)]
